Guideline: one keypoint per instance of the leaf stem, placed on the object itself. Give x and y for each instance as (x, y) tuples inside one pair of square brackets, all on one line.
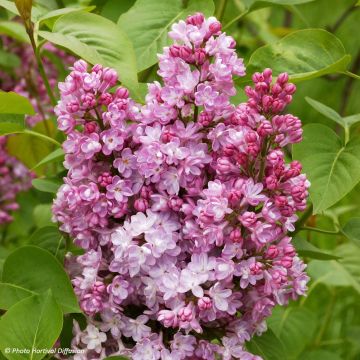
[(322, 231), (221, 9), (303, 218), (235, 19)]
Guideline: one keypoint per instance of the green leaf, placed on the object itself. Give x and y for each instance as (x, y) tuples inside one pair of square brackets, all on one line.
[(50, 239), (28, 148), (304, 248), (344, 272), (303, 54), (8, 60), (11, 123), (258, 4), (37, 270), (56, 155), (46, 185), (326, 111), (12, 110), (33, 323), (332, 168), (352, 230), (294, 327), (352, 119), (319, 355), (10, 294), (12, 103), (96, 40), (268, 346), (50, 17), (42, 215), (10, 6), (14, 30), (147, 24), (114, 8)]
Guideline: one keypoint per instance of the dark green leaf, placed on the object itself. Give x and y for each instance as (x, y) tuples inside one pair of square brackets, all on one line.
[(268, 346), (49, 238), (332, 168), (148, 22), (37, 270), (33, 323), (304, 248), (114, 8), (8, 60), (303, 54)]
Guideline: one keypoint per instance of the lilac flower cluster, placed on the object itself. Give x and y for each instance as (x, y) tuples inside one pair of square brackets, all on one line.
[(26, 80), (14, 177), (182, 205)]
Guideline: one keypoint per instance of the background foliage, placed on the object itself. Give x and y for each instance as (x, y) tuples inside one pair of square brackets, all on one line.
[(315, 41)]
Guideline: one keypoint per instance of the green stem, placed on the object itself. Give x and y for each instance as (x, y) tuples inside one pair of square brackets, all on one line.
[(41, 136), (235, 19), (40, 65), (221, 9), (352, 75), (322, 231)]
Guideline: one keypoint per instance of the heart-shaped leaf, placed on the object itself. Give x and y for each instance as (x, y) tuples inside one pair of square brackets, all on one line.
[(32, 325), (303, 54), (148, 22), (96, 40), (34, 269), (294, 327), (332, 168)]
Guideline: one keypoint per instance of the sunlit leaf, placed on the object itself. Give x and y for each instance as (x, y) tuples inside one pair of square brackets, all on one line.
[(31, 324), (147, 24), (304, 55)]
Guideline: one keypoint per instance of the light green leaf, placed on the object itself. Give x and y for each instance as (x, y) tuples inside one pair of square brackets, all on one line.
[(96, 40), (352, 230), (37, 270), (50, 17), (268, 346), (303, 54), (46, 185), (10, 6), (326, 111), (14, 30), (294, 327), (147, 24), (344, 272), (352, 119), (42, 215), (304, 248), (12, 103), (33, 323), (56, 155), (332, 168), (11, 123)]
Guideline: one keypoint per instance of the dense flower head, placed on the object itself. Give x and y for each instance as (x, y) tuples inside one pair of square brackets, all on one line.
[(26, 80), (182, 205), (14, 178)]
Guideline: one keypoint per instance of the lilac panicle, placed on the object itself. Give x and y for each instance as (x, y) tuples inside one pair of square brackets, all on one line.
[(183, 205)]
